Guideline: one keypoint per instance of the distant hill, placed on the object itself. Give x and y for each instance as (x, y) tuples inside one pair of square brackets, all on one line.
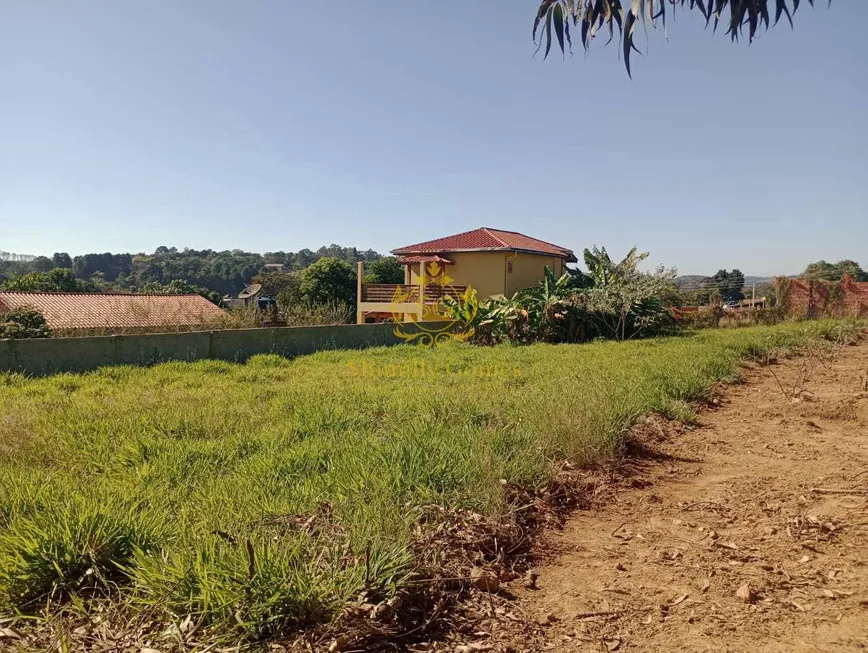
[(693, 281), (758, 280), (690, 280)]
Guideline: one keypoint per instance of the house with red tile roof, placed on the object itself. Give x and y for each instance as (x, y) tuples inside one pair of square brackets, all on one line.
[(493, 262), (114, 312)]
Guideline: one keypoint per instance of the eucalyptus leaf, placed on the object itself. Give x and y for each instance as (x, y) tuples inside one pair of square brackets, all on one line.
[(745, 17)]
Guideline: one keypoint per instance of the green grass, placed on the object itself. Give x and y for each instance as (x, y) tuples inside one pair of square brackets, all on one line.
[(183, 488)]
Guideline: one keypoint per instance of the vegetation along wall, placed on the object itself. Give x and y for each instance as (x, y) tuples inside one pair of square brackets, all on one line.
[(49, 355)]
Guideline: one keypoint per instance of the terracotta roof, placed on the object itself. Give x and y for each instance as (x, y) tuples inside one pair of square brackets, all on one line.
[(430, 258), (67, 310), (485, 239)]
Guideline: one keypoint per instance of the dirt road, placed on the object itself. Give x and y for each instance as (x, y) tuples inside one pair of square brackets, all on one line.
[(748, 532)]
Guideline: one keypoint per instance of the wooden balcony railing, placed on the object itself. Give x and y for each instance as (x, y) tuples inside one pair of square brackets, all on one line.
[(434, 293), (387, 293)]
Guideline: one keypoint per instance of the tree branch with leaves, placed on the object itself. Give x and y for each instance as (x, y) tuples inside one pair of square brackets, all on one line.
[(558, 19)]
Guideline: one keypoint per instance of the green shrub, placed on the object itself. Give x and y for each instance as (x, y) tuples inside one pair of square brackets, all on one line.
[(23, 323), (308, 313), (614, 301)]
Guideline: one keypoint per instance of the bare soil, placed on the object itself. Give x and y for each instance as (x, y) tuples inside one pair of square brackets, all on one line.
[(745, 532)]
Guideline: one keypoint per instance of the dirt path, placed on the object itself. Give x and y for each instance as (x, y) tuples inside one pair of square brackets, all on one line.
[(730, 504)]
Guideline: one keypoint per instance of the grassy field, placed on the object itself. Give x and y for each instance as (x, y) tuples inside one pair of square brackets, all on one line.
[(181, 488)]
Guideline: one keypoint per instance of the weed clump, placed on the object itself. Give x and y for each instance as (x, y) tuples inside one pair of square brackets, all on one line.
[(71, 548)]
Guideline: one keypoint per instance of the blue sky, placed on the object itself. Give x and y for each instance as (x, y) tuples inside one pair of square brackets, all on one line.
[(276, 125)]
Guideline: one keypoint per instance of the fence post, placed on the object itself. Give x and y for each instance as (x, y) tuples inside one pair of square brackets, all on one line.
[(422, 281), (360, 289)]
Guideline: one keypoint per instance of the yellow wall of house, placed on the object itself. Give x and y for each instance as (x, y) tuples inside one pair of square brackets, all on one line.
[(484, 271), (529, 270), (487, 271)]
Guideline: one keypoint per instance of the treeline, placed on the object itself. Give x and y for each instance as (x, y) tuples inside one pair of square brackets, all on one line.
[(729, 286), (724, 286), (219, 272), (12, 256)]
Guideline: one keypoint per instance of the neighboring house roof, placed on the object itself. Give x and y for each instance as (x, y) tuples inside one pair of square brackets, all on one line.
[(69, 310), (485, 239), (431, 258)]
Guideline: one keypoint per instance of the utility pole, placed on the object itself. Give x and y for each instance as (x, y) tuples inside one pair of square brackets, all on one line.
[(753, 297)]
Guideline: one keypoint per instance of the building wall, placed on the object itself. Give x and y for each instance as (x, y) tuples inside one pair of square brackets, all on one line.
[(529, 270), (484, 271), (51, 355), (488, 272)]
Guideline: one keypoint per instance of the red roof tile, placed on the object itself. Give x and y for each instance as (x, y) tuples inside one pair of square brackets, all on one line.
[(113, 310), (430, 258), (485, 239)]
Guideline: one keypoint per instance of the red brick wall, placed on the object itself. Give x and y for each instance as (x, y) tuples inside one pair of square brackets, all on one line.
[(815, 299), (855, 297)]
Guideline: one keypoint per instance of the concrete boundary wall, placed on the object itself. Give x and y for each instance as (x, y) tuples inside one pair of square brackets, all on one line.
[(51, 355)]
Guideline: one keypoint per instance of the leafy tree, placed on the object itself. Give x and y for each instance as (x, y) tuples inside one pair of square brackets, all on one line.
[(61, 260), (304, 258), (42, 264), (384, 270), (110, 265), (12, 269), (56, 280), (823, 271), (275, 283), (23, 323), (624, 301), (180, 287), (329, 279), (739, 16), (706, 293), (146, 270), (852, 269), (729, 284)]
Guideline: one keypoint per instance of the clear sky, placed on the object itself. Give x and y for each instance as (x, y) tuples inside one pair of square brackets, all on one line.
[(279, 124)]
